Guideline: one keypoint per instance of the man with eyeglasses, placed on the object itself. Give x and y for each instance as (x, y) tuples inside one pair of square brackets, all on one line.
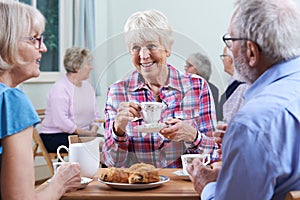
[(261, 145), (232, 99)]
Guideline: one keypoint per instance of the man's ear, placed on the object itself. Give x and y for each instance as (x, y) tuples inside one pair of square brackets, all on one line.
[(168, 53), (252, 53)]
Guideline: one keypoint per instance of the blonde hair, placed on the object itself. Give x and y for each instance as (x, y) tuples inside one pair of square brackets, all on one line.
[(75, 58), (149, 25), (17, 20)]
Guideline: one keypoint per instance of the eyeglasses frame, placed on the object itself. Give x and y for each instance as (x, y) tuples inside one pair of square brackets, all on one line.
[(236, 39), (40, 39)]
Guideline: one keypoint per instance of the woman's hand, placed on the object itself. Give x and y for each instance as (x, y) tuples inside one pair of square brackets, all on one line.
[(126, 112), (89, 133), (68, 177), (178, 130)]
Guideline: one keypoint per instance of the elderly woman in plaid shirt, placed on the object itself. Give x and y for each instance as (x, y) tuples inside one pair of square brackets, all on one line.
[(189, 115)]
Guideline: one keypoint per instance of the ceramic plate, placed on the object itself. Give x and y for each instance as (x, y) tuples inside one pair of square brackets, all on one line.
[(150, 128), (127, 186), (182, 175)]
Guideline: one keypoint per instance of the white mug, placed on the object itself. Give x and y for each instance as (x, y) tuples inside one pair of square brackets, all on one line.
[(187, 159), (86, 154)]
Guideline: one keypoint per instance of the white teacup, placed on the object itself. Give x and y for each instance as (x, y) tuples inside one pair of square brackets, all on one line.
[(151, 111), (86, 154), (58, 164), (188, 159)]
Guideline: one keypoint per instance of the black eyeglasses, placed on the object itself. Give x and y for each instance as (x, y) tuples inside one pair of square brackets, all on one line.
[(37, 41), (229, 41)]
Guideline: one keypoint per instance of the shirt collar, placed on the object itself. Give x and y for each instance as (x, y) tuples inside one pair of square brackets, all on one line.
[(137, 81), (274, 73)]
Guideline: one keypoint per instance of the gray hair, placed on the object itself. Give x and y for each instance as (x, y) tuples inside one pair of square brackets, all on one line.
[(149, 25), (201, 63), (76, 57), (273, 24), (17, 20)]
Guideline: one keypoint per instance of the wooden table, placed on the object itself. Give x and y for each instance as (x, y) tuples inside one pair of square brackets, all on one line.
[(175, 189)]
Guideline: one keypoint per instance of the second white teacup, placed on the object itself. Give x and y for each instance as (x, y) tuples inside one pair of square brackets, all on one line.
[(58, 164), (151, 111), (187, 159)]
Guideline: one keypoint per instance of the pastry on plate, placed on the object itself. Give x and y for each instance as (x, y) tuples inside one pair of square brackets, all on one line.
[(143, 173), (115, 175), (137, 173)]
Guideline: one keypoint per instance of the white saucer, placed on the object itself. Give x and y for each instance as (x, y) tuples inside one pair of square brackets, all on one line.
[(150, 128), (84, 182), (182, 175)]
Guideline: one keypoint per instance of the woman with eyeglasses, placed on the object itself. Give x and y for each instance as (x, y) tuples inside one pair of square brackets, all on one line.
[(189, 115), (21, 51)]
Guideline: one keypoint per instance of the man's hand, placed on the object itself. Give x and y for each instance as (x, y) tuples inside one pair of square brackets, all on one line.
[(219, 134), (201, 175)]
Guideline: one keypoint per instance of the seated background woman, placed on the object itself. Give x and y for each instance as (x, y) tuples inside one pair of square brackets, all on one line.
[(71, 102)]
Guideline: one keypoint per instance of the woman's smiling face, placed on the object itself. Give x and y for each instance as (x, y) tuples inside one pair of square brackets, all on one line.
[(149, 58), (30, 54)]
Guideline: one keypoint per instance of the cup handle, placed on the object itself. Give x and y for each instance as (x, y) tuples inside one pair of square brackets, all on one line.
[(206, 162), (58, 150)]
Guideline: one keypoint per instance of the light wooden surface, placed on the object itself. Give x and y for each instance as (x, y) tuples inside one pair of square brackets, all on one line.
[(175, 189), (293, 195)]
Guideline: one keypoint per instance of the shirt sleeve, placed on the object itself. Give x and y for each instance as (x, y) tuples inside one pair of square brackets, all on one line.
[(245, 166), (115, 149), (17, 112), (208, 192)]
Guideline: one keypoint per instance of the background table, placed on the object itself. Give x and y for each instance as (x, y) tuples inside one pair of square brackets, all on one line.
[(175, 189)]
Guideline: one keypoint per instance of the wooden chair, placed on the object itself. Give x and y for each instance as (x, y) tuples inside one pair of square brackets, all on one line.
[(293, 195), (39, 145)]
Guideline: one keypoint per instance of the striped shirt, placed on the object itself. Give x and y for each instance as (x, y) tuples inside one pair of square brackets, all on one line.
[(186, 96)]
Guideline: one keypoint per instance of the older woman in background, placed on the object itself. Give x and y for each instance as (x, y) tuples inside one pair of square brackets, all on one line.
[(189, 114), (71, 102), (199, 63), (21, 47)]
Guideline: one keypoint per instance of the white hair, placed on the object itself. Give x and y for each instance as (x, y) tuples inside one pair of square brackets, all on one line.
[(273, 24), (149, 25)]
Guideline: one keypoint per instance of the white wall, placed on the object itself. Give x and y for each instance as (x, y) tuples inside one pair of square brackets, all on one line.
[(198, 25)]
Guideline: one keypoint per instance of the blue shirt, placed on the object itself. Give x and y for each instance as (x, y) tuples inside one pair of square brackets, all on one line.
[(17, 112), (261, 146)]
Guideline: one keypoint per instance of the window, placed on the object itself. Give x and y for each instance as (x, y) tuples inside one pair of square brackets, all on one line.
[(50, 9)]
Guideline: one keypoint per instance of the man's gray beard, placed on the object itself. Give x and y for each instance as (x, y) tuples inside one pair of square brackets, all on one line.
[(242, 71)]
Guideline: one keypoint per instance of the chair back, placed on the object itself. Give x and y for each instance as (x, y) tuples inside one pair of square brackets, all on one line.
[(38, 144), (293, 195)]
